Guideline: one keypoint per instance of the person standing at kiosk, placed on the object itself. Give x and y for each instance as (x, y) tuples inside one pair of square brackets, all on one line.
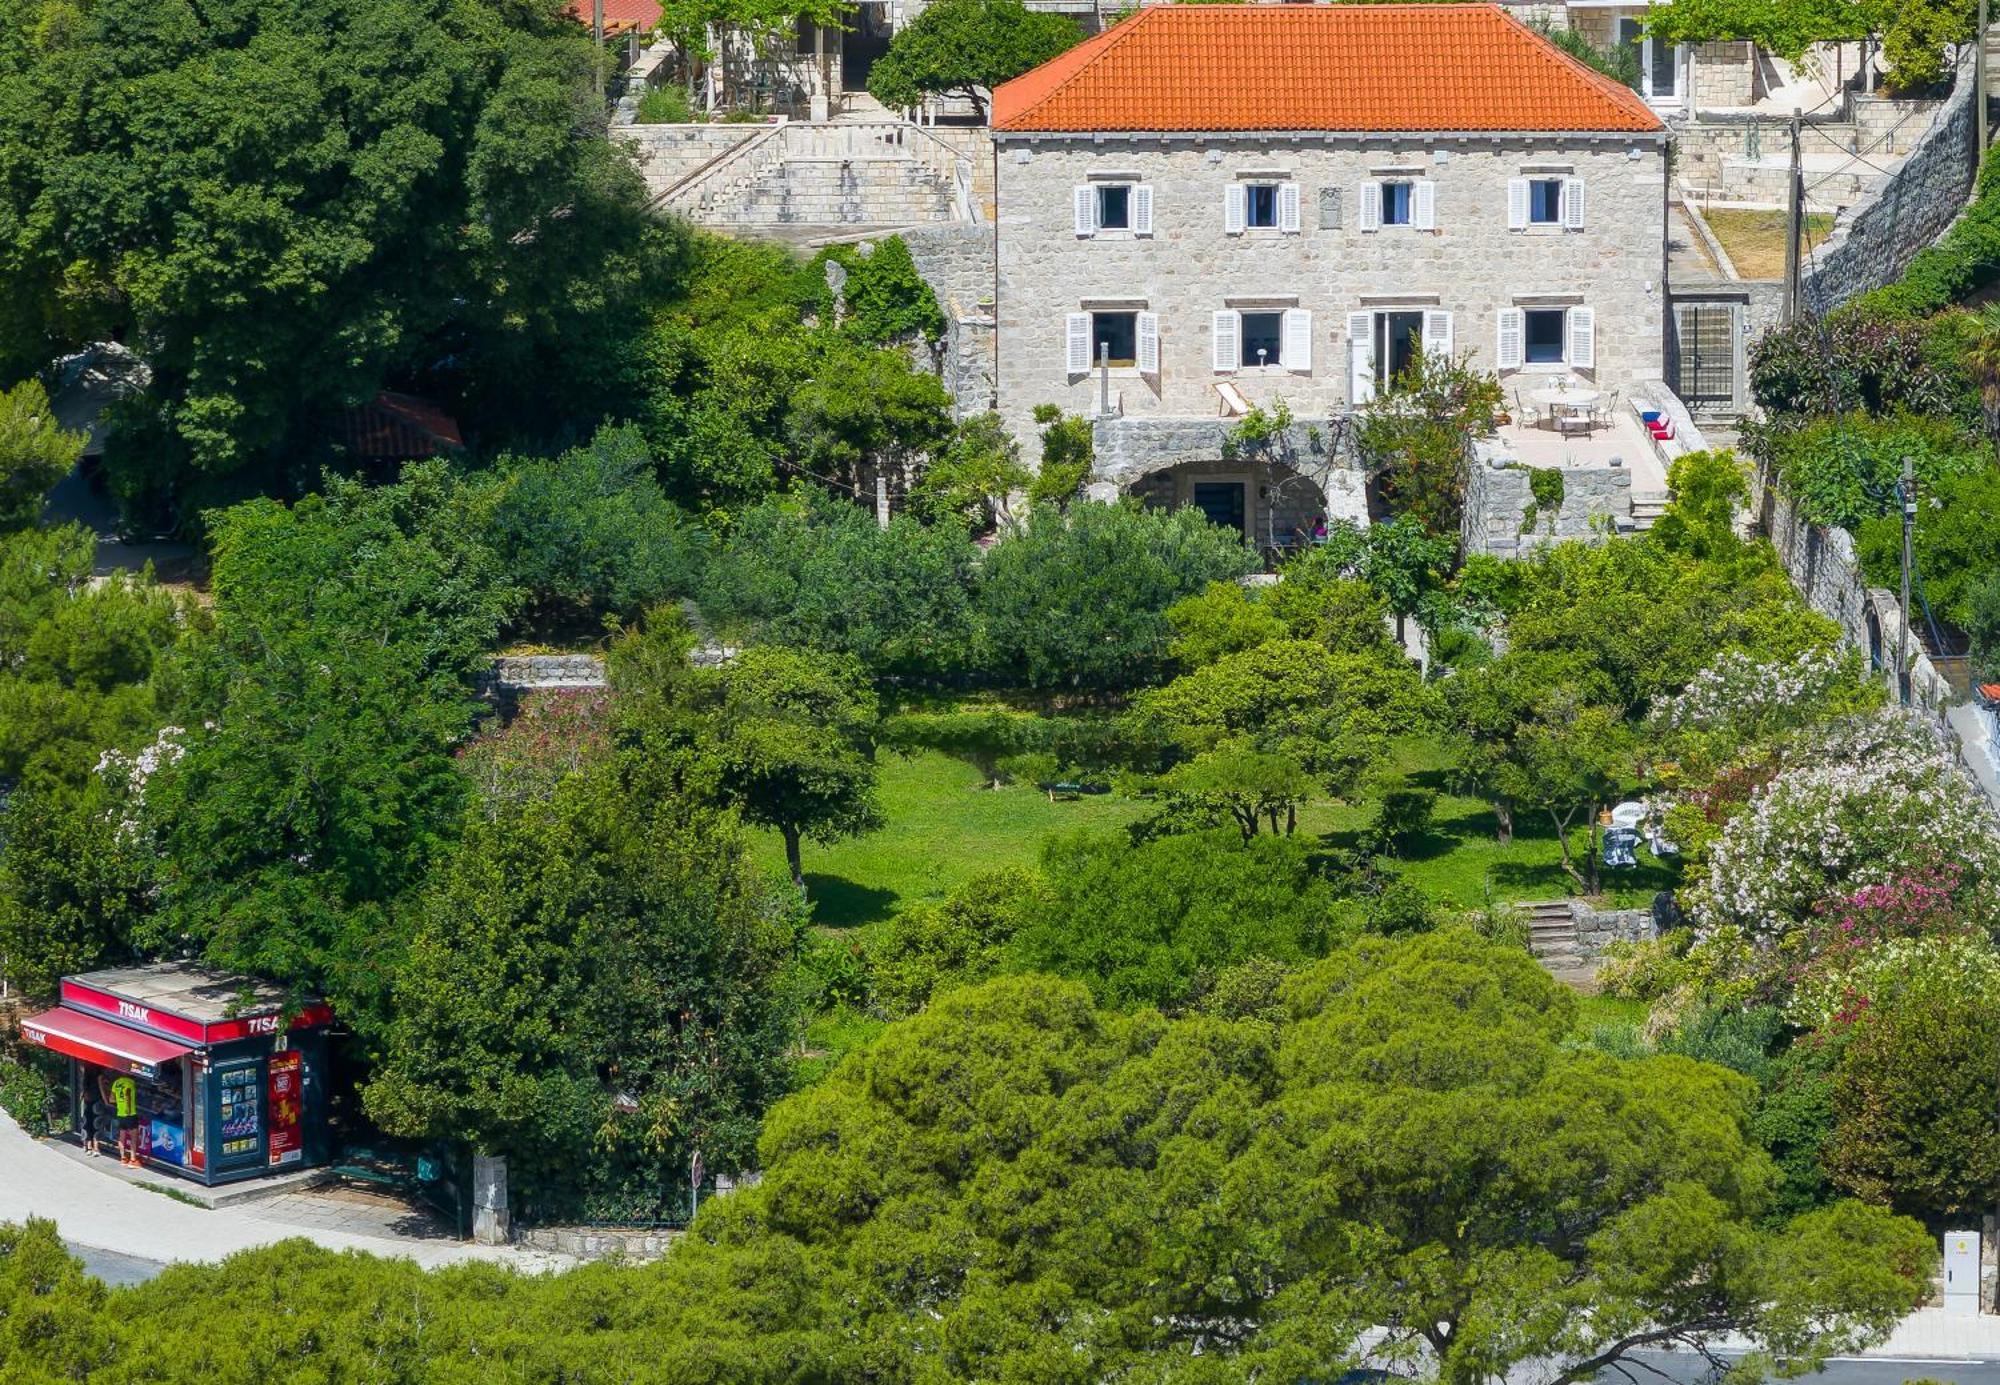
[(125, 1106)]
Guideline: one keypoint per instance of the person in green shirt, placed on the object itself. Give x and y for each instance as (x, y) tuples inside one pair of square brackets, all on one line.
[(125, 1105)]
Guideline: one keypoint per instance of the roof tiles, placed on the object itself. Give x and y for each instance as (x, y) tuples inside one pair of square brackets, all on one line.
[(1341, 67)]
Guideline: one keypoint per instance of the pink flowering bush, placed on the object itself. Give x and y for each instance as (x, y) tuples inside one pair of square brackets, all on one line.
[(1861, 805)]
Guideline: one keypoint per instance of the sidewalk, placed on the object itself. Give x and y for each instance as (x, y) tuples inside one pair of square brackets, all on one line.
[(93, 1209)]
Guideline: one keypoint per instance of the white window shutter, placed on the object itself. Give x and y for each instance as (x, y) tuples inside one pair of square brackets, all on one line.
[(1232, 209), (1085, 197), (1142, 209), (1360, 357), (1288, 207), (1583, 338), (1228, 333), (1149, 343), (1423, 214), (1572, 199), (1437, 334), (1368, 207), (1517, 204), (1507, 352), (1077, 354), (1298, 343)]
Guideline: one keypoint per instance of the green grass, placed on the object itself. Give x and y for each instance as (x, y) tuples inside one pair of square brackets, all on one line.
[(831, 1036), (943, 828)]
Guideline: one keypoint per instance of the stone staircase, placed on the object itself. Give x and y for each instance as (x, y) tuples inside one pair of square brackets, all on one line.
[(834, 174), (835, 192), (1552, 934), (1648, 506)]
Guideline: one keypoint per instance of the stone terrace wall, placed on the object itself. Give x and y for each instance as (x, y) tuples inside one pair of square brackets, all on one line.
[(957, 262), (1874, 243), (668, 153), (1498, 493)]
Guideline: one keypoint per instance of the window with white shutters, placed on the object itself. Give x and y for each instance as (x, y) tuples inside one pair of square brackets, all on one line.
[(1507, 350), (1437, 334), (1288, 208), (1085, 198), (1517, 204), (1227, 333), (1423, 209), (1368, 207), (1233, 198), (1360, 357), (1583, 338), (1076, 357), (1572, 204), (1142, 209), (1148, 326), (1298, 349)]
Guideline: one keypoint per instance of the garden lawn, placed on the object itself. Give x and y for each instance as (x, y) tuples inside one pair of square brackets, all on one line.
[(1755, 237), (942, 828)]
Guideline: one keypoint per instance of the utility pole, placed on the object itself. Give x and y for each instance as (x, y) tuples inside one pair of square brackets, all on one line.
[(1908, 490), (1794, 221), (1979, 91), (597, 42)]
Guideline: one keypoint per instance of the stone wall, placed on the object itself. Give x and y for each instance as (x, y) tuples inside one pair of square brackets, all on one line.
[(520, 672), (1160, 457), (1498, 494), (1824, 568), (1724, 74), (957, 262), (1471, 266), (668, 153), (1873, 243), (1597, 929), (635, 1244)]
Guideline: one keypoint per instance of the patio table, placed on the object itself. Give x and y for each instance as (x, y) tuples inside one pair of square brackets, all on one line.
[(1576, 403)]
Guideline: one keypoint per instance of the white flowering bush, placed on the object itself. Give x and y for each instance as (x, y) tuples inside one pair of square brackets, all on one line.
[(1858, 805), (1752, 698), (128, 772), (1966, 966)]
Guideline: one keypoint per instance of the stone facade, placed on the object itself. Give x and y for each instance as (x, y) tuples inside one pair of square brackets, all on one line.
[(1471, 266), (957, 262), (1873, 244), (1500, 514)]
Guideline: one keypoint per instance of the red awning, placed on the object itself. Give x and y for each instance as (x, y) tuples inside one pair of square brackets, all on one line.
[(100, 1041)]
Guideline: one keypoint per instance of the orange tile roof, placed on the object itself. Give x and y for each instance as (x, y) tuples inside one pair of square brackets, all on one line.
[(1345, 67), (621, 15)]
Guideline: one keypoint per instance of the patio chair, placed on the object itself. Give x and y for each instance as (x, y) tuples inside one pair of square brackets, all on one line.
[(1606, 412), (1573, 420), (1526, 414)]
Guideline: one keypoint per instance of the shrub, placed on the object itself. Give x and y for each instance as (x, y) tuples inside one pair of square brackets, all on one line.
[(1843, 471), (1956, 545), (1402, 816), (667, 105), (930, 947), (28, 1093), (1737, 1039), (1400, 908), (1860, 358)]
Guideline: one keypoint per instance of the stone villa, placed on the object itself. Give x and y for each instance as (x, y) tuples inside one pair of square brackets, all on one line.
[(1208, 208)]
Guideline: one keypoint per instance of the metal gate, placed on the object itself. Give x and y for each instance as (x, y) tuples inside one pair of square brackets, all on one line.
[(1706, 357)]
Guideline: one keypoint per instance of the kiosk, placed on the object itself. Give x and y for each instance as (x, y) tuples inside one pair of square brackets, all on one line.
[(232, 1082)]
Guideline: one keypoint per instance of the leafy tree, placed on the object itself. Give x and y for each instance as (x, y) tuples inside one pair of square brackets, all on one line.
[(1415, 438), (864, 406), (1078, 598), (1152, 924), (1700, 520), (1843, 471), (1069, 451), (1331, 713), (456, 226), (1570, 759), (790, 745), (1955, 546), (885, 299), (52, 1313), (1223, 618), (971, 477), (982, 737), (591, 991), (1982, 623), (932, 947), (316, 788), (820, 573), (966, 48), (1914, 1092), (593, 532), (1249, 785), (35, 453), (75, 884)]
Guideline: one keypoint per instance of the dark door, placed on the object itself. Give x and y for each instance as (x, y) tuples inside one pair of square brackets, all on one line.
[(1222, 502), (1706, 336), (866, 39)]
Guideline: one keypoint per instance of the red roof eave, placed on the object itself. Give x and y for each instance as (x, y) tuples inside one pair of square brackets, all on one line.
[(100, 1041)]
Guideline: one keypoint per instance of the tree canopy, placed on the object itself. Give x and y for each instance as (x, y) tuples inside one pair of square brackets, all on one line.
[(966, 48)]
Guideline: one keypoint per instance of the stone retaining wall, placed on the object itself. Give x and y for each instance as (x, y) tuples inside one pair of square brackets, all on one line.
[(1872, 244), (1597, 929), (518, 672), (600, 1242), (1498, 492), (668, 153), (957, 262)]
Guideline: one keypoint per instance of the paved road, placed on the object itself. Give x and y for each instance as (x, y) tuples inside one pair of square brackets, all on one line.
[(115, 1269), (91, 1209), (1870, 1370)]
